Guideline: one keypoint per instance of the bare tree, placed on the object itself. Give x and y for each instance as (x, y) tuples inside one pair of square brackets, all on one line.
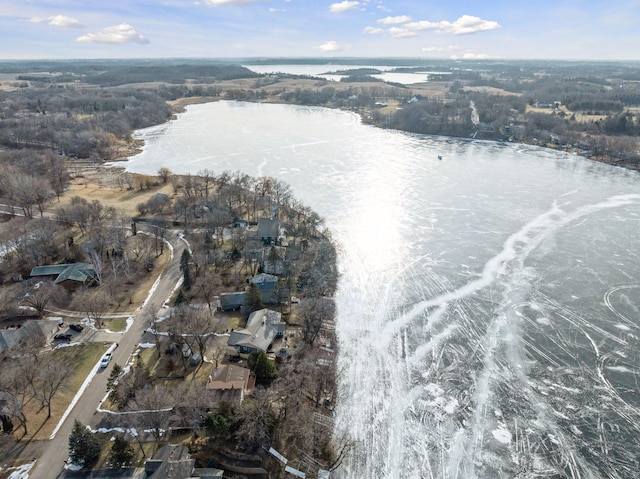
[(39, 296), (312, 312), (150, 320), (207, 287), (153, 406), (94, 302), (15, 391), (164, 174), (197, 326), (47, 381)]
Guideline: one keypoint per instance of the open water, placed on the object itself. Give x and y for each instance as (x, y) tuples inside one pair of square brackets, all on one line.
[(488, 308)]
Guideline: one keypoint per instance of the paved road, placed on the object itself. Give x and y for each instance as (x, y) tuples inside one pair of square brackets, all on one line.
[(50, 462)]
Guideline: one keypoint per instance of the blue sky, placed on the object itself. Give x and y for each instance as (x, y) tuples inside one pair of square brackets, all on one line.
[(542, 29)]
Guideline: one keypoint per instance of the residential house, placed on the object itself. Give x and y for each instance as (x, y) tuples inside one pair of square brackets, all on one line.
[(174, 462), (270, 291), (230, 383), (269, 230), (263, 328), (232, 301), (71, 276), (37, 330), (273, 259)]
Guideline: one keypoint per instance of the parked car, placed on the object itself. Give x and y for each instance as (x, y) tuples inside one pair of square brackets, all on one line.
[(104, 362), (76, 327), (62, 337)]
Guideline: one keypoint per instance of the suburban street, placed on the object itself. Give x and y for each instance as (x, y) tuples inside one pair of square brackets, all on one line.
[(51, 457)]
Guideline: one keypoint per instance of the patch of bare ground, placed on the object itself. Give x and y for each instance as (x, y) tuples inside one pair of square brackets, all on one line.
[(100, 183), (491, 90)]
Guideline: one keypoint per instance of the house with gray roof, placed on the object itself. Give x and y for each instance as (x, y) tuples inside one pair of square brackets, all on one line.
[(263, 328), (70, 275), (232, 301), (38, 330), (269, 230), (267, 284), (174, 462)]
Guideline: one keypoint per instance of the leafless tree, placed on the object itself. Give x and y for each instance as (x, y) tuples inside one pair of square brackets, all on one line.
[(196, 326), (154, 406), (39, 295), (312, 312), (257, 419), (49, 377), (206, 287), (150, 320), (16, 392), (95, 302), (164, 174)]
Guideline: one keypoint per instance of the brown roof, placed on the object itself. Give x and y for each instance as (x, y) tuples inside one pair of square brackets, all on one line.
[(229, 377)]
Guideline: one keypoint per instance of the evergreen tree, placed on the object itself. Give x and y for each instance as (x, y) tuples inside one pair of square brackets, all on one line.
[(83, 446), (114, 394), (121, 453), (265, 369), (184, 267), (180, 299), (253, 299)]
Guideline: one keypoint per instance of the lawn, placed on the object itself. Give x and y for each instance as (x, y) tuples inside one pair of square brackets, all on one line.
[(80, 359), (115, 324)]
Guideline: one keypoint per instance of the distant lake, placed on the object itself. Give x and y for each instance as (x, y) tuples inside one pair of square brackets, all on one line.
[(322, 70), (488, 305)]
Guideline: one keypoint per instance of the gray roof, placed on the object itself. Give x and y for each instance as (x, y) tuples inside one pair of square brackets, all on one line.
[(74, 271), (232, 300), (263, 327), (174, 462), (264, 280), (41, 328), (268, 228)]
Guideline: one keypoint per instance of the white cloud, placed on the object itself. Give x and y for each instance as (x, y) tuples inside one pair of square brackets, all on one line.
[(58, 21), (229, 2), (395, 20), (331, 46), (343, 6), (66, 22), (123, 33), (450, 48), (474, 56), (373, 31), (464, 25), (383, 8), (467, 24), (396, 32), (422, 25)]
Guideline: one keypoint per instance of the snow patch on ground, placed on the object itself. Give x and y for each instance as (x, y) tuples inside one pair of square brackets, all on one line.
[(544, 321), (73, 467), (146, 345), (66, 345), (20, 472)]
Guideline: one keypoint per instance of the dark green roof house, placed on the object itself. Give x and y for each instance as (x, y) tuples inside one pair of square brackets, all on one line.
[(70, 276)]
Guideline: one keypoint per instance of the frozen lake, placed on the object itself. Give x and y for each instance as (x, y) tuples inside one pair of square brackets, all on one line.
[(488, 308)]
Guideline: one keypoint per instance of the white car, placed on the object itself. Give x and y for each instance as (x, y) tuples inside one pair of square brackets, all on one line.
[(104, 362)]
